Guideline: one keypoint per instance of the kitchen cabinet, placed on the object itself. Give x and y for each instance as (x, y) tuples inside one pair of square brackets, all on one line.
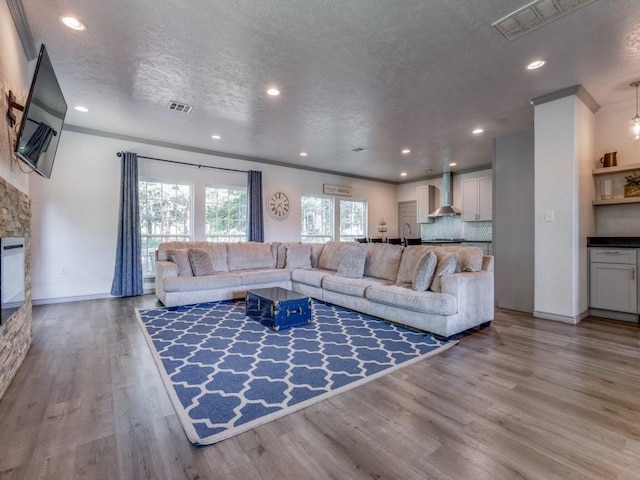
[(477, 199), (613, 279), (426, 197), (487, 247)]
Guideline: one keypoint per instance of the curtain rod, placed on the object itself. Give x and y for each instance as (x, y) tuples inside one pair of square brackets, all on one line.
[(119, 154)]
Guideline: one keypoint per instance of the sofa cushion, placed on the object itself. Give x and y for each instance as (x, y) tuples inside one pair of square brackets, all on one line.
[(218, 254), (298, 256), (406, 298), (180, 256), (330, 256), (354, 287), (410, 257), (423, 273), (383, 261), (352, 259), (281, 255), (200, 262), (469, 258), (446, 266), (310, 277), (193, 284), (165, 248), (269, 275), (316, 251), (274, 252), (249, 255)]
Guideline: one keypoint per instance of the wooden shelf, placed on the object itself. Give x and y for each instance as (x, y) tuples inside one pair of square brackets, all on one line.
[(619, 169), (616, 201)]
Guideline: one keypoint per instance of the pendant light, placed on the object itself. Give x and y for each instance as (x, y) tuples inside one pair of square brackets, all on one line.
[(634, 123)]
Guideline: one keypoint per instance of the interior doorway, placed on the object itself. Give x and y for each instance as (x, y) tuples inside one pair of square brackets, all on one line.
[(407, 216)]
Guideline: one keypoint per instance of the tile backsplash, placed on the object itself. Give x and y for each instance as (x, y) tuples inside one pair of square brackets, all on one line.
[(454, 227)]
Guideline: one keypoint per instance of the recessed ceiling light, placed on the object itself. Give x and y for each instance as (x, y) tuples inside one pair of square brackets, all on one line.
[(216, 137), (80, 108), (403, 174), (73, 22), (536, 64), (273, 92), (405, 151), (452, 164), (477, 131), (303, 154)]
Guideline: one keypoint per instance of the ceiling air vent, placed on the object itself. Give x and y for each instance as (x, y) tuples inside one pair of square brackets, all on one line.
[(180, 107), (535, 15)]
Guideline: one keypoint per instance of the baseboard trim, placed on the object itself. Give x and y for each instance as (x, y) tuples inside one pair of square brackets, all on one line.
[(80, 298), (623, 316), (561, 318)]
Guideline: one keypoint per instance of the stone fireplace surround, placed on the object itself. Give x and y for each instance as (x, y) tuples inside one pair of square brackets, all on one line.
[(16, 334)]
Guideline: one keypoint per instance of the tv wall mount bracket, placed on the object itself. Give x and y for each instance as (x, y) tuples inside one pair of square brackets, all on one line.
[(11, 104)]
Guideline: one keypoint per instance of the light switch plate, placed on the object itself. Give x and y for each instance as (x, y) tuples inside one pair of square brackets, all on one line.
[(548, 216)]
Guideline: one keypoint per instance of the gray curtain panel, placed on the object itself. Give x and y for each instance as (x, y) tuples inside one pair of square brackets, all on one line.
[(38, 142), (255, 222), (127, 278)]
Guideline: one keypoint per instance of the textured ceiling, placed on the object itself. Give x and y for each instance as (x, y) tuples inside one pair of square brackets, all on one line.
[(377, 74)]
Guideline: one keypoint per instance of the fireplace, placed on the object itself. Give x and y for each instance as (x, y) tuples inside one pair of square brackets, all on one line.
[(12, 285)]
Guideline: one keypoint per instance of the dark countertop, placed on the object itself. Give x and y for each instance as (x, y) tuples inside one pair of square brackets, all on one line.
[(453, 240), (620, 242)]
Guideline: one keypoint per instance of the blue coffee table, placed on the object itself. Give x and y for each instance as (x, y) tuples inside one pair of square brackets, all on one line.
[(278, 308)]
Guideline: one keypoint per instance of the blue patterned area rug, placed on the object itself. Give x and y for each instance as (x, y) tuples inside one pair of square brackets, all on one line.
[(227, 373)]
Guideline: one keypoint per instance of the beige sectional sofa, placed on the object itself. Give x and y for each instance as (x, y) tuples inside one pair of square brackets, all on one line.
[(376, 279)]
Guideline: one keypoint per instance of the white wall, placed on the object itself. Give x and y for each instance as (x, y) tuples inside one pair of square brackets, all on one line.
[(75, 212), (612, 136), (585, 126), (564, 133), (13, 76)]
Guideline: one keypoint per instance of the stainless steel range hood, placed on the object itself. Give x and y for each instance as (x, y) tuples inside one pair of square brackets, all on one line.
[(447, 208)]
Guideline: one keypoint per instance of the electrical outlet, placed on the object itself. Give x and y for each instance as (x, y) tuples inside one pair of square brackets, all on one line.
[(64, 270)]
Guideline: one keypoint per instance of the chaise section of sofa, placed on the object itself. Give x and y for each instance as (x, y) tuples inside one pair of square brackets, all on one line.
[(375, 279)]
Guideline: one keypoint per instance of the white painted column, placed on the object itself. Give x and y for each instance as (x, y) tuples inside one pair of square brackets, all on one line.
[(564, 215)]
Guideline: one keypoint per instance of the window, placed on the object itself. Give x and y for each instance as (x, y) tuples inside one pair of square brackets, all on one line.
[(353, 220), (165, 216), (317, 219), (226, 214)]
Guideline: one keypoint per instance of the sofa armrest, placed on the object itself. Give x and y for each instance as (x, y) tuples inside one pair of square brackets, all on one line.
[(475, 294), (166, 269)]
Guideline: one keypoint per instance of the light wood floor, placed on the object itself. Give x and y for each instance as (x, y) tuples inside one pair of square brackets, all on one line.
[(524, 398)]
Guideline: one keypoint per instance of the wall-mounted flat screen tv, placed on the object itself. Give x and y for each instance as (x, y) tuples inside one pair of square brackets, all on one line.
[(42, 118)]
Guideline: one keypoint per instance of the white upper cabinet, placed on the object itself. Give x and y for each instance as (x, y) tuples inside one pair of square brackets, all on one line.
[(426, 197), (477, 199)]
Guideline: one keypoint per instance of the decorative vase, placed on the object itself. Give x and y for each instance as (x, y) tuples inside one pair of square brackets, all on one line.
[(632, 191)]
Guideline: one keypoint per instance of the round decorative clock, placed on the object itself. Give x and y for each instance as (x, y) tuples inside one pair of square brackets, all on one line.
[(278, 204)]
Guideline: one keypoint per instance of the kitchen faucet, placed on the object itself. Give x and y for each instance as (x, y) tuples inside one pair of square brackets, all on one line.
[(403, 229)]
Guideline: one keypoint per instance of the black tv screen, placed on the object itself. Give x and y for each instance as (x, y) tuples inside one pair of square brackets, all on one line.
[(42, 118)]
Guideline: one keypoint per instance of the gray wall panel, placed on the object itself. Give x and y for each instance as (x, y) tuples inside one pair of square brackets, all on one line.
[(513, 220)]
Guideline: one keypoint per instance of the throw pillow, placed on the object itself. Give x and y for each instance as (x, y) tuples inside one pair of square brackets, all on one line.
[(200, 262), (446, 266), (299, 256), (180, 257), (423, 273), (352, 260)]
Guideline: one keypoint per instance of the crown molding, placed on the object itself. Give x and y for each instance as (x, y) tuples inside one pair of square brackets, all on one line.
[(22, 27), (577, 90)]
